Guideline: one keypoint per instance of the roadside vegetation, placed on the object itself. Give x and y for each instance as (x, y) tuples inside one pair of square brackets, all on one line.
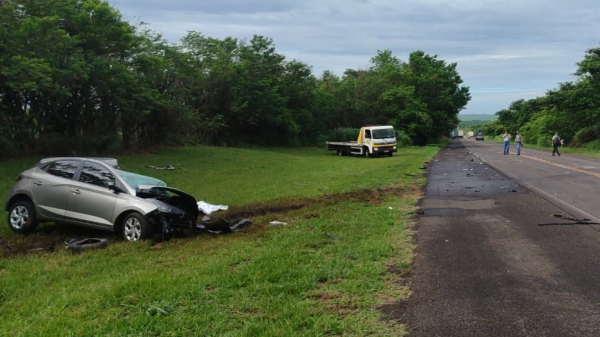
[(75, 77), (333, 270)]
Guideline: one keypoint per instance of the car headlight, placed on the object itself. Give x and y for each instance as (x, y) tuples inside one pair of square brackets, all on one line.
[(376, 149), (165, 209), (394, 147)]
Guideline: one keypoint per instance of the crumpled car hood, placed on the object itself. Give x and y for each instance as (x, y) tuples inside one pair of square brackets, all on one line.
[(187, 203)]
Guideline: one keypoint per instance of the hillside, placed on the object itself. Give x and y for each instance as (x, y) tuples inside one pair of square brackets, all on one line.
[(477, 118)]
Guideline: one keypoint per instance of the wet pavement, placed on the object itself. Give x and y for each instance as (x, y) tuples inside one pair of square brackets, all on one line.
[(484, 266)]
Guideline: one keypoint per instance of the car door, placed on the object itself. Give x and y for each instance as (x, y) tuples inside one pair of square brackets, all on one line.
[(51, 188), (91, 202)]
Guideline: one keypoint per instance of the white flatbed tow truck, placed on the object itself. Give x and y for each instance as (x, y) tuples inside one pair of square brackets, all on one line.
[(371, 141)]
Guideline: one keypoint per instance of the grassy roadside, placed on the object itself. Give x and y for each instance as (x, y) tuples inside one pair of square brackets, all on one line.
[(327, 273)]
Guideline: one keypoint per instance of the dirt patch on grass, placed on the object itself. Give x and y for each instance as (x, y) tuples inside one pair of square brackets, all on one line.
[(285, 206), (50, 237)]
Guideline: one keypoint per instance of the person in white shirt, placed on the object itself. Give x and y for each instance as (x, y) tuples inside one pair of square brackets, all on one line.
[(506, 142), (518, 142)]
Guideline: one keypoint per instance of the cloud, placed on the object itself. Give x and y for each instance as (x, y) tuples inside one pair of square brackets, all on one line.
[(508, 44)]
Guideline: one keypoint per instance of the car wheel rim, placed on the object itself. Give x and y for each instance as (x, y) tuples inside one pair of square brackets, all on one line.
[(18, 217), (133, 229)]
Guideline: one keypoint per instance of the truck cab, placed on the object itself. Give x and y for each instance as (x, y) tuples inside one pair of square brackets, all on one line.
[(371, 141)]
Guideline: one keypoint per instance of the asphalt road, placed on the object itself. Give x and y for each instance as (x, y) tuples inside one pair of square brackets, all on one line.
[(484, 266), (571, 182)]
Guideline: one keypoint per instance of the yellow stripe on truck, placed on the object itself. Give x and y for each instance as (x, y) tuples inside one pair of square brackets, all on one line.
[(384, 145), (360, 135)]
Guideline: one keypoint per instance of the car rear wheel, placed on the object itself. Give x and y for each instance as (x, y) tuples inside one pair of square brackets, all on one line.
[(136, 227), (21, 217)]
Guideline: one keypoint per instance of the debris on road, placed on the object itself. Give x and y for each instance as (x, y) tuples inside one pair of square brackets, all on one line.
[(576, 221)]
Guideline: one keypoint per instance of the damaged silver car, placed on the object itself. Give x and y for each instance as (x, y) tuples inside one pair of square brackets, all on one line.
[(94, 192)]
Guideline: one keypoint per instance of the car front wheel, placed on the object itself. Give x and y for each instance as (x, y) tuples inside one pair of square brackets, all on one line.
[(21, 217), (136, 227)]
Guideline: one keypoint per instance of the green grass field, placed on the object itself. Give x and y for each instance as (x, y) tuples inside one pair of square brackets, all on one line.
[(328, 272), (477, 118)]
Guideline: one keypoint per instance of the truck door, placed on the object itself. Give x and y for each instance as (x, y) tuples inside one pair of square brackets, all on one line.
[(368, 140)]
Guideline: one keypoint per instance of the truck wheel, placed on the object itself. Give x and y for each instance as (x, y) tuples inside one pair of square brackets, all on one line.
[(366, 152), (390, 154), (340, 152)]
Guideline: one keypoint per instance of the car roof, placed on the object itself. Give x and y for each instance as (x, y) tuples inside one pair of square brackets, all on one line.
[(109, 161)]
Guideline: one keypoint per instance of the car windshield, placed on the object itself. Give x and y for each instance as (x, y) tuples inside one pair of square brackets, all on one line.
[(135, 180), (383, 133)]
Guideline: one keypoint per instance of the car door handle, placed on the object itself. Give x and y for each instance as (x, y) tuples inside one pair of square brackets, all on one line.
[(38, 183), (76, 191)]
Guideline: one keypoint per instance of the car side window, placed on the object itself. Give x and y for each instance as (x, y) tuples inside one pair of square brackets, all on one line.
[(63, 168), (368, 134), (96, 174)]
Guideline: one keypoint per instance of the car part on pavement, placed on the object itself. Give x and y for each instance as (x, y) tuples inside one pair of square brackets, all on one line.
[(575, 221)]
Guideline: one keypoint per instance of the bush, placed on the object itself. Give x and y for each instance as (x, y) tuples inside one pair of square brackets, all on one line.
[(341, 135), (402, 139), (586, 136), (593, 145)]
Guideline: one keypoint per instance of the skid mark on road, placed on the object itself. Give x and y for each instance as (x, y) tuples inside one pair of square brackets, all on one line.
[(594, 174)]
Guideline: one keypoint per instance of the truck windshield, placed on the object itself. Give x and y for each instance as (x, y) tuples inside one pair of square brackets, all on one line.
[(383, 133)]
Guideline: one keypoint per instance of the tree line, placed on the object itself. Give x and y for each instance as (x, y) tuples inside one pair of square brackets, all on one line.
[(572, 110), (75, 76)]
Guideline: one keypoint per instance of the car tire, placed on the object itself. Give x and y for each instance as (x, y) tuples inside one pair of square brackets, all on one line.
[(391, 154), (366, 152), (21, 217), (136, 227), (340, 152)]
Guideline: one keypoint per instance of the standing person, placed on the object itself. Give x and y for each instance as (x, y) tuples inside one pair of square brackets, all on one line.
[(556, 143), (506, 137), (519, 142)]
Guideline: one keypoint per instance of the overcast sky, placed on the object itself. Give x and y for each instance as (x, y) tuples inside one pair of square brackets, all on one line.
[(505, 50)]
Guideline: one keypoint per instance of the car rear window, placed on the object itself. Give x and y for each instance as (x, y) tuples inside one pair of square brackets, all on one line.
[(63, 168)]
